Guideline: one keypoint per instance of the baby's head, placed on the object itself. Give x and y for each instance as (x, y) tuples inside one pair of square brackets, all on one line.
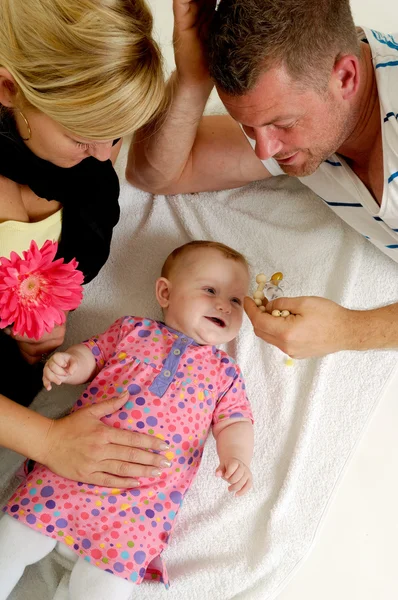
[(201, 291)]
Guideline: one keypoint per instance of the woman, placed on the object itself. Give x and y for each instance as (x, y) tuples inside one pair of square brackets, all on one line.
[(75, 75)]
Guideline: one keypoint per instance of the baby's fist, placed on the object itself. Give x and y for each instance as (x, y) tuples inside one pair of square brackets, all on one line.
[(237, 474), (58, 369)]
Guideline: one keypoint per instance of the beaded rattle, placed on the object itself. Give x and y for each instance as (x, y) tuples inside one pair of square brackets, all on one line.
[(270, 291)]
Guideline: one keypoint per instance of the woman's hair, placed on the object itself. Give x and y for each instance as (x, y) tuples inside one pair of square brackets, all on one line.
[(91, 65), (173, 259)]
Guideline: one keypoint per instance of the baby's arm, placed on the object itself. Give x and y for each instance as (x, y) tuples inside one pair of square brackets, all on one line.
[(75, 365), (235, 450)]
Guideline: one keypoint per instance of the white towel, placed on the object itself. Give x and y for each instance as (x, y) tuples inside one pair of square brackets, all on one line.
[(308, 417)]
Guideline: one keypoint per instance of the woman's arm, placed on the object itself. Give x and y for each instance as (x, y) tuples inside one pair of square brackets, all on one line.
[(80, 446)]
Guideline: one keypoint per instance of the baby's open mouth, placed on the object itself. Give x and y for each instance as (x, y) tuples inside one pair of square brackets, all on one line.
[(217, 321)]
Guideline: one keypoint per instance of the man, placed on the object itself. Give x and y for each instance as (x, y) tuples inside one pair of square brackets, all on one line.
[(314, 101)]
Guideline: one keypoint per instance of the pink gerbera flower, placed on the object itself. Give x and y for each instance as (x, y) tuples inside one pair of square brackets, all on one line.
[(36, 290)]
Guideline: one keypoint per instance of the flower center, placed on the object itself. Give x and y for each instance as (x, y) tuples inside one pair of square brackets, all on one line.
[(31, 287)]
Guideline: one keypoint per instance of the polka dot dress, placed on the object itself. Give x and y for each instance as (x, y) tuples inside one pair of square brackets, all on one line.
[(177, 390)]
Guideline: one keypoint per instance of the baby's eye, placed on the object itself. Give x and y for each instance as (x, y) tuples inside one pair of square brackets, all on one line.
[(210, 290), (237, 301)]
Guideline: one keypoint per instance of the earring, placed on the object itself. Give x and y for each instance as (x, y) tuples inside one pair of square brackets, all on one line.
[(27, 126)]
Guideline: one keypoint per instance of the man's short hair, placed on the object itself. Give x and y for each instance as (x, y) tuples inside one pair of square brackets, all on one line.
[(173, 259), (248, 37)]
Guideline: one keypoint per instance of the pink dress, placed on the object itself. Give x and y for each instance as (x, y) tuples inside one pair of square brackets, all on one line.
[(178, 389)]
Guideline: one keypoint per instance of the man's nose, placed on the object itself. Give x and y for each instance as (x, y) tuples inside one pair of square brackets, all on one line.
[(101, 151), (267, 145)]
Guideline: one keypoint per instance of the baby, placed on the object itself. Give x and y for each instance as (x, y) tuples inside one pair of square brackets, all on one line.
[(177, 386)]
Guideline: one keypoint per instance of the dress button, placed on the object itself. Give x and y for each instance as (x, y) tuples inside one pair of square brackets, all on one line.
[(176, 351), (184, 340), (166, 373)]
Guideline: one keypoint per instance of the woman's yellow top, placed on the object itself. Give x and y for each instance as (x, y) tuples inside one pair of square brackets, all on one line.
[(16, 235)]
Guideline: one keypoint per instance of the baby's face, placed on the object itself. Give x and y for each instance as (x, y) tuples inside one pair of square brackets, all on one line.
[(206, 296)]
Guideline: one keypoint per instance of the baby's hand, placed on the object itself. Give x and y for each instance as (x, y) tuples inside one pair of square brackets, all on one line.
[(237, 474), (58, 369)]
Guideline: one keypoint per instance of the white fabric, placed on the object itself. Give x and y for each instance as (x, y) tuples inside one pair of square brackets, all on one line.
[(308, 417), (337, 184)]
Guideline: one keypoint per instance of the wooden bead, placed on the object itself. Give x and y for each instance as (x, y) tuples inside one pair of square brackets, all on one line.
[(258, 294), (262, 308), (258, 301), (285, 313), (261, 278), (276, 313)]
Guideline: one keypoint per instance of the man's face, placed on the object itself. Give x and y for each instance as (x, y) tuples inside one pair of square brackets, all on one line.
[(297, 127)]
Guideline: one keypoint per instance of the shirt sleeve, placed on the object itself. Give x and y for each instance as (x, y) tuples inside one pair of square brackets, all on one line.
[(232, 402), (104, 346)]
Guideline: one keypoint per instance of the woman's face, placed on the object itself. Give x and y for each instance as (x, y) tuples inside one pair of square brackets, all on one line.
[(52, 142)]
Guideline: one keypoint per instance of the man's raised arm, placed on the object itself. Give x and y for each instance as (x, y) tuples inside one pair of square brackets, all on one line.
[(184, 151)]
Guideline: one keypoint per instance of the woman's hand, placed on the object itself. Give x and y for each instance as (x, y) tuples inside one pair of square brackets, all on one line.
[(82, 448), (32, 350)]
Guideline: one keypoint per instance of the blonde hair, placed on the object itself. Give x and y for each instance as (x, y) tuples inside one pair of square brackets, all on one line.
[(174, 258), (91, 65)]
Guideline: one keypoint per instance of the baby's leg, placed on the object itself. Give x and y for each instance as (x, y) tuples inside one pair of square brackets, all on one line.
[(20, 546), (88, 582)]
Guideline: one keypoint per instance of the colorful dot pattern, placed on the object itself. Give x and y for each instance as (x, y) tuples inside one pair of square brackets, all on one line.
[(125, 531)]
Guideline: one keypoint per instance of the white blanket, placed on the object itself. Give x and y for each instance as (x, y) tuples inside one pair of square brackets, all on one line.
[(309, 417)]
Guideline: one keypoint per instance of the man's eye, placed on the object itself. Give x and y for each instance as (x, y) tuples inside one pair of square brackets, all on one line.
[(285, 126), (81, 145)]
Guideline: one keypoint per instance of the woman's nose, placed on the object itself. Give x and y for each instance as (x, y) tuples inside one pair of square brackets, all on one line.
[(101, 151)]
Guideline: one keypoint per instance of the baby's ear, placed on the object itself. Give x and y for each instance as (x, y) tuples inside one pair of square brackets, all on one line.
[(163, 289)]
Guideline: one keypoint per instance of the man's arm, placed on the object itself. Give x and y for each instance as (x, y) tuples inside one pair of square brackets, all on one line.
[(184, 151), (318, 326)]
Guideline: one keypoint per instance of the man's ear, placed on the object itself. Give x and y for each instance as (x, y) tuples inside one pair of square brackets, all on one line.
[(8, 89), (346, 75), (163, 289)]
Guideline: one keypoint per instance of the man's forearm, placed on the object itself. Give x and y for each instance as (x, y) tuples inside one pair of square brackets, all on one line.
[(374, 329), (161, 152)]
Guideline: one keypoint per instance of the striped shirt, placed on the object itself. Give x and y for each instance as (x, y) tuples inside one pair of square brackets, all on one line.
[(337, 184)]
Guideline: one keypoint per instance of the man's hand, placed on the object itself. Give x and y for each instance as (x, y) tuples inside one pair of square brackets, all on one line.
[(315, 327), (58, 369), (82, 448), (191, 20), (237, 474)]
